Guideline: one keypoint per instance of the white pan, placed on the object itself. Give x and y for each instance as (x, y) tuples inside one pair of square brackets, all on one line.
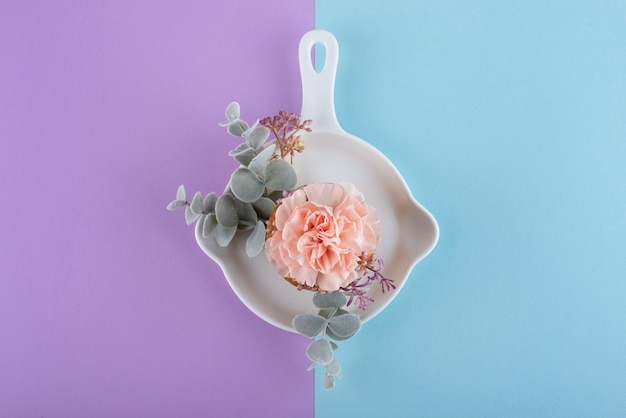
[(409, 231)]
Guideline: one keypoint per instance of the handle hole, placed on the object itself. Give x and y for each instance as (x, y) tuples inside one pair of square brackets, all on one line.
[(318, 57)]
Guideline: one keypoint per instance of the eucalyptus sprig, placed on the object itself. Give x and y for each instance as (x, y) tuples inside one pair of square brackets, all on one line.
[(333, 322), (250, 196)]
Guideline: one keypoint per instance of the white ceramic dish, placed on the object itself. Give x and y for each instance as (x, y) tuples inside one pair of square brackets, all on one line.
[(409, 231)]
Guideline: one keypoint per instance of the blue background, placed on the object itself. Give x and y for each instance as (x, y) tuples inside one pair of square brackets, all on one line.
[(508, 121)]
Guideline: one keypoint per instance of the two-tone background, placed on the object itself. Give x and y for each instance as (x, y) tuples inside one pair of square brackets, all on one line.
[(507, 119)]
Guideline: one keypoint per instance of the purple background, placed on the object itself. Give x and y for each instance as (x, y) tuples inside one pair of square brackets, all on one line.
[(107, 305)]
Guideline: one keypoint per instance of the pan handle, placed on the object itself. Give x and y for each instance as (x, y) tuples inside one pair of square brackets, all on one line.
[(318, 89)]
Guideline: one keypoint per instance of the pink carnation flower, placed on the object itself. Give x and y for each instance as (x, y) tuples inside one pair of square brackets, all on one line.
[(320, 232)]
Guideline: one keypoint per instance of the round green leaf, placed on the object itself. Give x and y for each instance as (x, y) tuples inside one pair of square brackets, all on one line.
[(226, 211), (237, 128), (258, 163), (309, 325), (176, 204), (344, 326), (243, 154), (264, 207), (197, 203), (240, 148), (329, 382), (320, 351), (191, 216), (256, 136), (210, 222), (180, 193), (280, 175), (232, 111), (333, 368), (208, 206), (245, 185), (223, 235), (256, 240), (246, 213)]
